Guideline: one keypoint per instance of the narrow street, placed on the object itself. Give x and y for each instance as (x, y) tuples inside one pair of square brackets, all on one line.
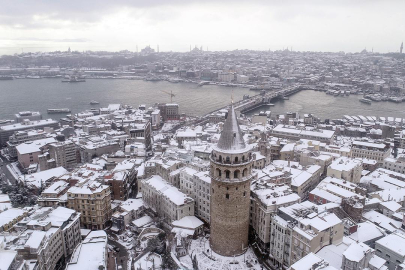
[(121, 255)]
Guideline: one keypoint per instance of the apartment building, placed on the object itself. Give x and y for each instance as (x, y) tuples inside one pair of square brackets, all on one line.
[(46, 237), (122, 180), (92, 253), (346, 169), (376, 151), (93, 200), (166, 200), (307, 228), (53, 195), (20, 137), (63, 153), (265, 200), (197, 185), (391, 248), (395, 164)]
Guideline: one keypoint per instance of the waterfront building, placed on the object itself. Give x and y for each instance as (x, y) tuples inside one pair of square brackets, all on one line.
[(294, 133), (27, 115), (7, 131)]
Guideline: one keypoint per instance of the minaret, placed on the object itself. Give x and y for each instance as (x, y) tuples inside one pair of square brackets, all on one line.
[(402, 47), (231, 173)]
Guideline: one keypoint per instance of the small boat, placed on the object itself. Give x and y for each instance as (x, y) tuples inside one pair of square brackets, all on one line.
[(285, 98), (5, 78), (93, 102), (62, 110), (73, 79), (271, 104), (364, 100)]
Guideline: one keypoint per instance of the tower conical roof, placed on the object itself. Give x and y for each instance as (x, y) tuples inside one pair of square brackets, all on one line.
[(231, 136)]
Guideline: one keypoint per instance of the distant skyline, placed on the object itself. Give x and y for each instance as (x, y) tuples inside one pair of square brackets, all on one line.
[(313, 25)]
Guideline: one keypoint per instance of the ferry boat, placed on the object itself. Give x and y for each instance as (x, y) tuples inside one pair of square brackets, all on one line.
[(203, 83), (364, 100), (93, 102), (73, 79), (62, 110), (4, 78)]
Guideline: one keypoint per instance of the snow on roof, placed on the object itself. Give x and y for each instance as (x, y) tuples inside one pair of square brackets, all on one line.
[(322, 222), (132, 204), (7, 258), (37, 178), (356, 252), (169, 191), (91, 253), (9, 215), (391, 205), (366, 231), (394, 242), (383, 221), (33, 146), (140, 222), (188, 222), (35, 239), (396, 194), (345, 164), (204, 176), (334, 253), (28, 124), (369, 144), (307, 263), (276, 195), (56, 187)]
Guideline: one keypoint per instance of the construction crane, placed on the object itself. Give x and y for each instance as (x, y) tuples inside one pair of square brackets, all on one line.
[(171, 95)]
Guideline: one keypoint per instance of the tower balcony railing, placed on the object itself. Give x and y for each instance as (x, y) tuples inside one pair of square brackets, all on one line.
[(224, 162)]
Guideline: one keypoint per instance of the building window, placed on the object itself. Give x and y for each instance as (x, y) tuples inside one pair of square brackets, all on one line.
[(227, 196)]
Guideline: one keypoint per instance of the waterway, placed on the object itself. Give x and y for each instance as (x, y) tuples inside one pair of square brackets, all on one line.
[(42, 94)]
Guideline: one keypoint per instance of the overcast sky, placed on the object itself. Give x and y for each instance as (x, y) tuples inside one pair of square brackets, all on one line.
[(305, 25)]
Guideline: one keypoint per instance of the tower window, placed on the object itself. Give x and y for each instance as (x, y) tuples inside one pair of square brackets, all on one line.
[(227, 174), (244, 193), (212, 190), (227, 196)]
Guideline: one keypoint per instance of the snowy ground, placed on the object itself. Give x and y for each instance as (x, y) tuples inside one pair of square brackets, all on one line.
[(212, 261)]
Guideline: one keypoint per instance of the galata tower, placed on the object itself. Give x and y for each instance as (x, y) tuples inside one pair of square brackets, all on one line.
[(231, 173)]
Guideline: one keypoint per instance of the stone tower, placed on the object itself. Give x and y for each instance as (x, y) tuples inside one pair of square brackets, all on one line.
[(231, 173)]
